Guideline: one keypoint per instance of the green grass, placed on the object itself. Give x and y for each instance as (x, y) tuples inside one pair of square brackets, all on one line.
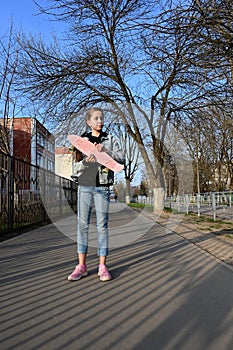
[(141, 206), (213, 225), (207, 219), (229, 235), (169, 210)]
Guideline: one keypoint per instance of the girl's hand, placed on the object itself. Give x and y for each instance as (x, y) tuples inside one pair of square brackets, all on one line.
[(91, 158), (100, 147)]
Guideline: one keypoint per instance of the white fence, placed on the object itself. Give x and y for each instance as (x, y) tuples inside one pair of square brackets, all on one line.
[(214, 204)]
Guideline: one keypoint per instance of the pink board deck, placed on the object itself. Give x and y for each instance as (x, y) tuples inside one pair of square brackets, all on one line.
[(88, 148)]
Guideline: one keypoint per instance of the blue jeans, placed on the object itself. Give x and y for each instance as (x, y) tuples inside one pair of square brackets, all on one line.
[(86, 196)]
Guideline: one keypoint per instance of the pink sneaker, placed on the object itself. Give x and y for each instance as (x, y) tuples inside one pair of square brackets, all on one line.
[(104, 274), (79, 272)]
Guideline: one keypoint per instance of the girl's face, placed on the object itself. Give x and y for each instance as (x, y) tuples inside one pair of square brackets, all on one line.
[(96, 122)]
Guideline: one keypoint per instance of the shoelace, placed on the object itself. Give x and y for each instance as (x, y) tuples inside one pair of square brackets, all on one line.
[(104, 271)]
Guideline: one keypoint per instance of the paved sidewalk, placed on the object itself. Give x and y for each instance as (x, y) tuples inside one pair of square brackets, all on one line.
[(213, 242), (166, 293)]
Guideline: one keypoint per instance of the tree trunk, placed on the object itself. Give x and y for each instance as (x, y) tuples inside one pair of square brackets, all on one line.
[(127, 191), (158, 200)]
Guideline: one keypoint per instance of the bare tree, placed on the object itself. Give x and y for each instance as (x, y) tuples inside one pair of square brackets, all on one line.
[(215, 19), (94, 68), (210, 126), (210, 140), (9, 60), (129, 146), (132, 161), (125, 54), (131, 164)]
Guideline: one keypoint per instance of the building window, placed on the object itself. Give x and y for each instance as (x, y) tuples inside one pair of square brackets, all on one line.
[(40, 160), (41, 139), (50, 147), (51, 166)]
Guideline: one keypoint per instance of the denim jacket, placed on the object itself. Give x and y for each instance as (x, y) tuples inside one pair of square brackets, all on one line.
[(94, 174)]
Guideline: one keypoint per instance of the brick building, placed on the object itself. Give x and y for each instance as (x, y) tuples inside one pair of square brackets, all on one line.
[(30, 141)]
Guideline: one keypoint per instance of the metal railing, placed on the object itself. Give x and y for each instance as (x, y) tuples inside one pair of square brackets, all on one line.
[(31, 195), (212, 203)]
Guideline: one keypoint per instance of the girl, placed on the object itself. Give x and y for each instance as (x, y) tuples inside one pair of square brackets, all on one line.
[(94, 182)]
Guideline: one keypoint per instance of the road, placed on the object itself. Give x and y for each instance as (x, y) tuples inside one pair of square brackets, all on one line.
[(166, 293)]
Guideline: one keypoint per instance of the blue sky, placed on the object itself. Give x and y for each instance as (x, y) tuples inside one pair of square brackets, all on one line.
[(24, 14)]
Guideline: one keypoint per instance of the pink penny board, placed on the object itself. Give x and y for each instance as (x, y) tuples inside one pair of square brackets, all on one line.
[(88, 148)]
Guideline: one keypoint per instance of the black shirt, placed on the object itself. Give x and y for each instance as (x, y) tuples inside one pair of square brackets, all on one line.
[(90, 176)]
